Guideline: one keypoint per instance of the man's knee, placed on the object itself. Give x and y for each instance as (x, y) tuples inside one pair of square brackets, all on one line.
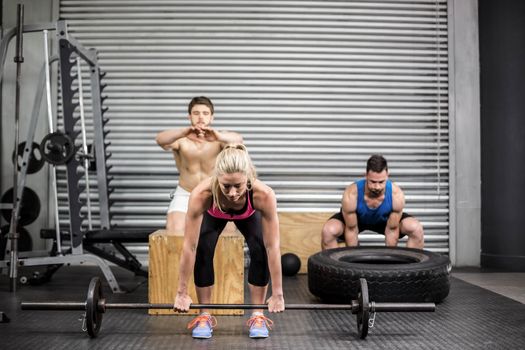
[(175, 222), (331, 230), (413, 229)]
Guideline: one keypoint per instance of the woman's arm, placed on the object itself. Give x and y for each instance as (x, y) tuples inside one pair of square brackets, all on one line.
[(266, 203), (199, 199)]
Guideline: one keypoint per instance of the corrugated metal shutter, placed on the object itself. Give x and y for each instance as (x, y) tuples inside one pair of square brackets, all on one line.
[(314, 87)]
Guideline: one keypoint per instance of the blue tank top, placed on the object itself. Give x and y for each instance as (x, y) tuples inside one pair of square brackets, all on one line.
[(379, 215)]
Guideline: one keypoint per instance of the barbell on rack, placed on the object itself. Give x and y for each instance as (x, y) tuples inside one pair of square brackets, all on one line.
[(95, 306)]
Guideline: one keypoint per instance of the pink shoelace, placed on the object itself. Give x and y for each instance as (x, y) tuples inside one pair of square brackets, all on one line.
[(202, 320), (258, 321)]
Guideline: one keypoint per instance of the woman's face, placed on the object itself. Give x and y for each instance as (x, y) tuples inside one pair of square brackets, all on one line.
[(233, 186)]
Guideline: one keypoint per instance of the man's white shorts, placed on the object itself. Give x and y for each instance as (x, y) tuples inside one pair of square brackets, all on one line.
[(179, 201)]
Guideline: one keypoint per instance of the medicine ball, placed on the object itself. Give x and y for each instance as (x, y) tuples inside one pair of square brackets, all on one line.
[(290, 264)]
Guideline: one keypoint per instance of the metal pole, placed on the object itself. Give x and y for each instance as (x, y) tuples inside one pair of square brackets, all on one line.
[(374, 307), (64, 305), (354, 307), (228, 306), (19, 58), (403, 307), (50, 122), (60, 305), (84, 141)]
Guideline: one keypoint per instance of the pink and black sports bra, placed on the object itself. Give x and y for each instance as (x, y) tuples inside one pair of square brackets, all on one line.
[(244, 213)]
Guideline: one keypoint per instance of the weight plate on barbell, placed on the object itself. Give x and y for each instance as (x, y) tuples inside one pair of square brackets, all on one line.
[(35, 160), (93, 314), (57, 148), (363, 315)]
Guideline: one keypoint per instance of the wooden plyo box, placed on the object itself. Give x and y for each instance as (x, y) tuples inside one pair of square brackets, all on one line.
[(301, 234), (164, 256)]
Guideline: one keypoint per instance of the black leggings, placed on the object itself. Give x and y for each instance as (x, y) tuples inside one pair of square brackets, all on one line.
[(251, 229)]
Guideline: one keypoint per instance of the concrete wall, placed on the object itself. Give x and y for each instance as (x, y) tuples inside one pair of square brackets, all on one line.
[(465, 175)]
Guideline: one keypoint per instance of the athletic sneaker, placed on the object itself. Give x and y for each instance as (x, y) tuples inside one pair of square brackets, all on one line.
[(259, 325), (202, 326)]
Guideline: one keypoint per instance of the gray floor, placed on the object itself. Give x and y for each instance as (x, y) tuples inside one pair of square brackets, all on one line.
[(508, 284), (470, 318)]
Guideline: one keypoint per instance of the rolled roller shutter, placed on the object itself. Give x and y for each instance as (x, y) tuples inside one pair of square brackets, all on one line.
[(314, 87)]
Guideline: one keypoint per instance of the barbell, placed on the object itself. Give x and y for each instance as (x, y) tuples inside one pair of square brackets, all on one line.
[(95, 306)]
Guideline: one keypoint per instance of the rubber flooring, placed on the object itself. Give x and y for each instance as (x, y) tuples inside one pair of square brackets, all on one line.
[(470, 318)]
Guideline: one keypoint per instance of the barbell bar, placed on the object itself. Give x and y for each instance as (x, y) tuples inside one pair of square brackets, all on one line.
[(95, 306)]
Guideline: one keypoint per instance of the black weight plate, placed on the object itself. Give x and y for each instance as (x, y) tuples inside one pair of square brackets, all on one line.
[(363, 315), (25, 242), (29, 207), (93, 314), (35, 160), (57, 148)]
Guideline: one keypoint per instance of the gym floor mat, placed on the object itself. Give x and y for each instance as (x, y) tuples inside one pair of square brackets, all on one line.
[(469, 318)]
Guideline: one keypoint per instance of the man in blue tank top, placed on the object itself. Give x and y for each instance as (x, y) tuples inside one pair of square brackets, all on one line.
[(374, 203)]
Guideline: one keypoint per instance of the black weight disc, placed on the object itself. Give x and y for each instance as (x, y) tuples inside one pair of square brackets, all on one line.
[(29, 207), (25, 242), (93, 314), (57, 148), (363, 315), (35, 160)]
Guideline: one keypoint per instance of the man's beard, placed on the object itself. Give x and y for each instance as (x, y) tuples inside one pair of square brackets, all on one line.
[(376, 193)]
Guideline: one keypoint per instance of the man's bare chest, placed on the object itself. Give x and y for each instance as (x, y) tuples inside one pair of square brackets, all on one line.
[(199, 150)]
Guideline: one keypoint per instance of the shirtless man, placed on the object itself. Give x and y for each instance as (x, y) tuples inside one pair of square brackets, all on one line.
[(374, 203), (194, 149)]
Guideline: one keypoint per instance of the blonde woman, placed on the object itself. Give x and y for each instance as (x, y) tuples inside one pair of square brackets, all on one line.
[(235, 194)]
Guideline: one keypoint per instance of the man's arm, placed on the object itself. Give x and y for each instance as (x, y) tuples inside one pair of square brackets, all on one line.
[(392, 225), (166, 139), (230, 137), (349, 207), (224, 137)]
